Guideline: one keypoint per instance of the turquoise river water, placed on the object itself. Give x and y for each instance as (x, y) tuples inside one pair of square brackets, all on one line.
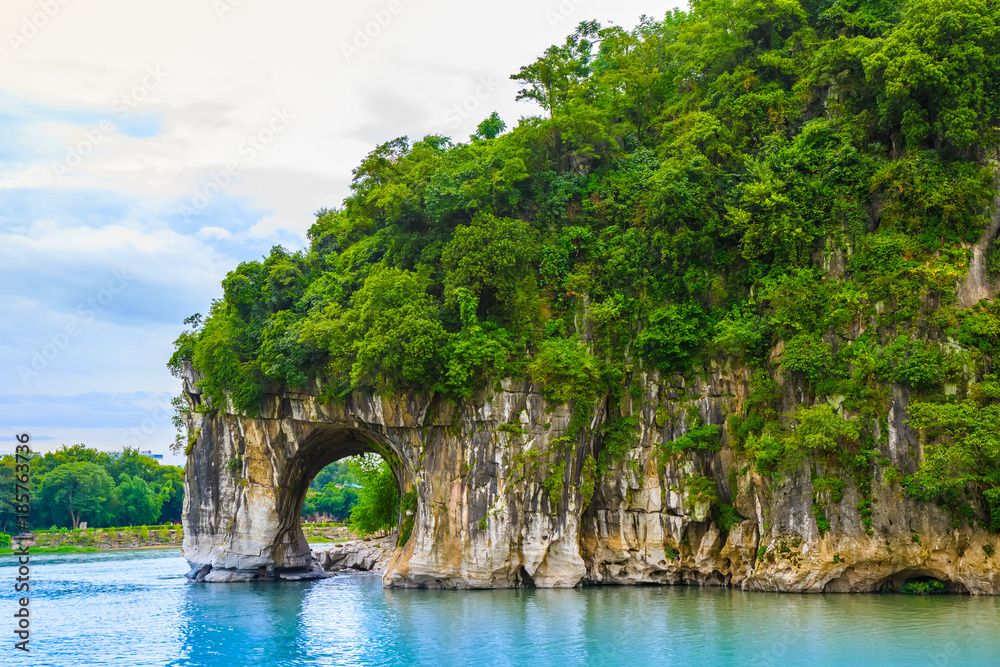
[(136, 608)]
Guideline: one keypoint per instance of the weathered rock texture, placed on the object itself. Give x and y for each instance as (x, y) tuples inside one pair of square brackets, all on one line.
[(976, 285), (500, 503), (361, 555)]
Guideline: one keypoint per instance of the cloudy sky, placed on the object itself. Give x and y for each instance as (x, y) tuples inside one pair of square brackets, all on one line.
[(147, 147)]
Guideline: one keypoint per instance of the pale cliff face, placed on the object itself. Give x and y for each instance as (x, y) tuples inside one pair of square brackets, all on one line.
[(486, 475)]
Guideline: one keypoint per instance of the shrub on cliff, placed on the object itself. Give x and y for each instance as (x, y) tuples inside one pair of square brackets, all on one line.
[(791, 186), (377, 507)]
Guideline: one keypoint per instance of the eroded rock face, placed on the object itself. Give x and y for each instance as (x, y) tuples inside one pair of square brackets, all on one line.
[(976, 285), (360, 555), (507, 498)]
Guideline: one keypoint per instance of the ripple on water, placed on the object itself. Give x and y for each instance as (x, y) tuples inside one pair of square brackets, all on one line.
[(136, 608)]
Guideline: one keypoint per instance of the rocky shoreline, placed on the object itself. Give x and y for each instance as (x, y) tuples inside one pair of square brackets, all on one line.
[(363, 555), (371, 555)]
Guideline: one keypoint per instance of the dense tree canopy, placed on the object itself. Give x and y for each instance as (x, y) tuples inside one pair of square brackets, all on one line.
[(78, 489), (78, 483), (792, 185)]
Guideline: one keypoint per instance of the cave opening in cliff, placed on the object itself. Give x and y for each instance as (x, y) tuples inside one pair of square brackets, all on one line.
[(350, 476), (919, 582)]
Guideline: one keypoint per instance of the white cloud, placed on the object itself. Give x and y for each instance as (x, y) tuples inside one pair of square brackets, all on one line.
[(121, 208), (224, 77), (214, 233)]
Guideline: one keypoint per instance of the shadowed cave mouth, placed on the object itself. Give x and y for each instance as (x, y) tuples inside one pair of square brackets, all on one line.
[(343, 476), (909, 583)]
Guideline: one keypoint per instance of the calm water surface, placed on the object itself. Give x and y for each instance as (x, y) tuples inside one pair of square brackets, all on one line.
[(136, 608)]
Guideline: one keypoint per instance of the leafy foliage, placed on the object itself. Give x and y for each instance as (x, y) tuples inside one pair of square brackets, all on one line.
[(961, 459), (816, 429), (332, 492), (790, 185), (930, 587), (566, 371), (104, 489), (704, 437), (138, 504), (699, 489), (78, 489), (377, 509)]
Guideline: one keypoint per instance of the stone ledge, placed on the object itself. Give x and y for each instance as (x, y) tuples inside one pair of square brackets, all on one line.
[(362, 555), (223, 575)]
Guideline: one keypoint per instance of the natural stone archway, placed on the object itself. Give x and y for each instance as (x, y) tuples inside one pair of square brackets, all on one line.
[(508, 495), (262, 480), (244, 524), (479, 522), (324, 444)]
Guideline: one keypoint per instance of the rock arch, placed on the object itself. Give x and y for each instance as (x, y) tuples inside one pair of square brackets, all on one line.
[(483, 519), (246, 480), (324, 444), (508, 494)]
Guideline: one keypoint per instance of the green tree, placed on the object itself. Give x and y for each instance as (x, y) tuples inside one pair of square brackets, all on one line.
[(336, 502), (480, 353), (491, 128), (674, 334), (7, 511), (567, 371), (337, 472), (961, 460), (377, 508), (493, 257), (78, 491), (937, 73), (170, 489), (138, 503), (129, 462), (549, 79), (65, 454), (399, 342)]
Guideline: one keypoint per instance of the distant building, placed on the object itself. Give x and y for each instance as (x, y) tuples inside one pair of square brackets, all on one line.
[(149, 452)]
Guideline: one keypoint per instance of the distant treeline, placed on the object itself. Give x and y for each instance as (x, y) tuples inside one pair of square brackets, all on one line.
[(331, 492), (360, 490), (79, 483)]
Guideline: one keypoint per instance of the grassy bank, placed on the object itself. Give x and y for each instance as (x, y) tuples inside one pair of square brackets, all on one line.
[(65, 540), (326, 532), (54, 550)]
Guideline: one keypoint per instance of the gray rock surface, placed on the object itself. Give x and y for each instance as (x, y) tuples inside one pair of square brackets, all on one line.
[(361, 555), (501, 496)]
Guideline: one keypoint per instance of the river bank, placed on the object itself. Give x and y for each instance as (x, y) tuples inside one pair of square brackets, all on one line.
[(128, 538)]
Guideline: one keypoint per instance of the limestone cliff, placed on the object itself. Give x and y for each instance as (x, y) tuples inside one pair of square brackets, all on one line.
[(507, 498)]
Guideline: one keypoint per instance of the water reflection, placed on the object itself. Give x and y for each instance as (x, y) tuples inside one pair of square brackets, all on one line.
[(137, 609), (242, 624)]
